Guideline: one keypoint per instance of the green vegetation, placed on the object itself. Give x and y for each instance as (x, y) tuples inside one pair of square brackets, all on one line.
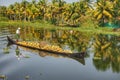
[(82, 15), (106, 53), (58, 12), (42, 24)]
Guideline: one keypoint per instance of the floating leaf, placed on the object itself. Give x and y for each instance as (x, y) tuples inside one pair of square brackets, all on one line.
[(26, 56), (6, 50), (2, 77), (27, 77)]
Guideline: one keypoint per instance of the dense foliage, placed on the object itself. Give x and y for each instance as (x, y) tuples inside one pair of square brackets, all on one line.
[(59, 12)]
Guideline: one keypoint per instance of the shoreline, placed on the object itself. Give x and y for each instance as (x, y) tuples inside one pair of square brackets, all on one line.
[(42, 24)]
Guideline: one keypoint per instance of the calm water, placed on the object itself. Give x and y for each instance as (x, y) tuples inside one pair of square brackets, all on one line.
[(101, 63)]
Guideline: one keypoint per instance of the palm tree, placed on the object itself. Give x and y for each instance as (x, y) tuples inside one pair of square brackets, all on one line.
[(116, 4), (82, 10), (34, 11), (24, 4), (61, 9), (3, 10), (70, 11), (17, 11), (42, 6), (77, 10), (29, 12), (53, 10), (104, 11), (10, 12)]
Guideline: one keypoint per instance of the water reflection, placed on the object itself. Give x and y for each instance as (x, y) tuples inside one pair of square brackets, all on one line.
[(3, 77), (45, 54), (6, 50), (107, 53), (18, 54), (74, 40), (106, 47)]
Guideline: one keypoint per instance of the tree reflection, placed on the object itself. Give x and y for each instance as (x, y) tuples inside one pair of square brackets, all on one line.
[(107, 53), (75, 40), (106, 47), (6, 50), (65, 39)]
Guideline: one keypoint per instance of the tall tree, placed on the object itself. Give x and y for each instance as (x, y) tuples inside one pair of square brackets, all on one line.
[(24, 4), (10, 12), (3, 10), (42, 5), (116, 4), (104, 11)]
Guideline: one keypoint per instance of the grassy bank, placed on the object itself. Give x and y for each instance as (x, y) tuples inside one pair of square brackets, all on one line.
[(42, 24)]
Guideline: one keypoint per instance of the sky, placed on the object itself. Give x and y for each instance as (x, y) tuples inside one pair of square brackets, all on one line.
[(8, 2)]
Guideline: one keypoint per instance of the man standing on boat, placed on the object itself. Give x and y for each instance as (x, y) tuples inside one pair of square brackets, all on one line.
[(18, 34)]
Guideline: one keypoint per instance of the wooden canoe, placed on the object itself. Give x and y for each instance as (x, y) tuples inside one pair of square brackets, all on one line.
[(76, 55)]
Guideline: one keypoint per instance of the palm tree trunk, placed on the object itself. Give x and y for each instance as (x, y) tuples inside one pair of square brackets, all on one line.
[(19, 17)]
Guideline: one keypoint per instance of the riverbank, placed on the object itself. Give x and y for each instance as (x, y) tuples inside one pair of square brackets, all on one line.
[(42, 24)]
